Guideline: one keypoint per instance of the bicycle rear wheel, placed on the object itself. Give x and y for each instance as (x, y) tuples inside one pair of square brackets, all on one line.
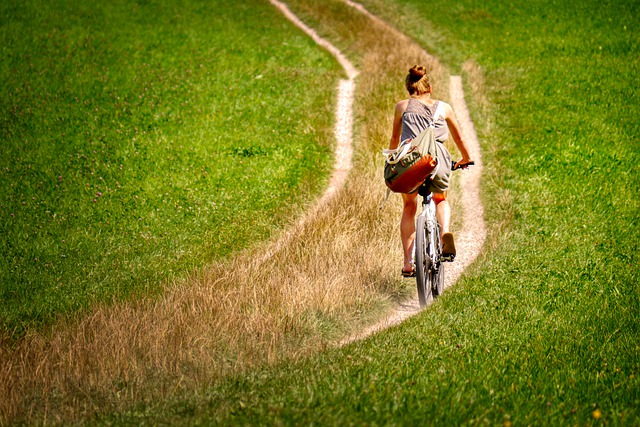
[(423, 262)]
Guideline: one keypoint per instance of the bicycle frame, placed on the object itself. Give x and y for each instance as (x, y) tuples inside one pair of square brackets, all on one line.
[(429, 212)]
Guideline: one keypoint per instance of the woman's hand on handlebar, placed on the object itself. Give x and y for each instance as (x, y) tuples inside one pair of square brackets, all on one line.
[(462, 164)]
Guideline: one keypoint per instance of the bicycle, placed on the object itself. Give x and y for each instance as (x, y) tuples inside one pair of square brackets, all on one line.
[(429, 261)]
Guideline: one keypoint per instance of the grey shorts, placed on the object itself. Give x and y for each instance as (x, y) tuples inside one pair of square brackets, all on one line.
[(440, 182)]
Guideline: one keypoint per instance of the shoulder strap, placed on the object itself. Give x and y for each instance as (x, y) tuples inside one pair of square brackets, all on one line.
[(385, 199), (394, 156), (438, 112)]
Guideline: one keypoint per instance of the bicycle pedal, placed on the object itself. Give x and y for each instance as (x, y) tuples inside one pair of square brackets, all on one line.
[(448, 258)]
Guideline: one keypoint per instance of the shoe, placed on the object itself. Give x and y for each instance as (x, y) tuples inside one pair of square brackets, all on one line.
[(408, 273), (448, 247)]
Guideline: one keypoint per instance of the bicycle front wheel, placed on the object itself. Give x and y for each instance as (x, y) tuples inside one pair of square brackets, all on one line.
[(438, 286), (423, 261), (438, 275)]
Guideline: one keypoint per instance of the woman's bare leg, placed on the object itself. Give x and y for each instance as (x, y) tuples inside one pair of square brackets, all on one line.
[(408, 227), (443, 212)]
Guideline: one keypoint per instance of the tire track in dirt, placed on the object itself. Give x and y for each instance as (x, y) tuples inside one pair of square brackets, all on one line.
[(471, 238), (344, 110), (343, 130)]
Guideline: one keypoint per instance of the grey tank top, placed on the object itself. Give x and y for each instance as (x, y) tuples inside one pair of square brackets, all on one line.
[(418, 117)]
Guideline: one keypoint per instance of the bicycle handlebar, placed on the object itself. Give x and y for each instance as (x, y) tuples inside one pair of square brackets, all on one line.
[(464, 166), (424, 188)]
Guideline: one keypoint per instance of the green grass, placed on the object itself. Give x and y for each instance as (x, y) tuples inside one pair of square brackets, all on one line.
[(142, 140), (544, 329)]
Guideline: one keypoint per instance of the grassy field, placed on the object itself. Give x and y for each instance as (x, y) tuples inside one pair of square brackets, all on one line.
[(544, 329), (142, 140)]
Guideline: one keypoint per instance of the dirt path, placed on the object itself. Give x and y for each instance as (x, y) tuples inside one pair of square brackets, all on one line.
[(343, 130), (344, 110), (470, 239)]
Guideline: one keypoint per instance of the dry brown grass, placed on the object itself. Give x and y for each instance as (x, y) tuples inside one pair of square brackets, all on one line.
[(332, 274)]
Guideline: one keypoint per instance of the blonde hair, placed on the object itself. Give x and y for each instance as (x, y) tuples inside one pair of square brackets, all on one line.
[(417, 81)]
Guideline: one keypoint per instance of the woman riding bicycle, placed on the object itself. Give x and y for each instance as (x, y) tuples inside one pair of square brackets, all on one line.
[(412, 116)]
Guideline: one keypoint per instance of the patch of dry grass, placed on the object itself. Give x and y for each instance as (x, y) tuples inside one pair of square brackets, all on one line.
[(327, 276)]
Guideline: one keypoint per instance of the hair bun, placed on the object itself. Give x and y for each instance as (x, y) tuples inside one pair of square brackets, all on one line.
[(417, 72)]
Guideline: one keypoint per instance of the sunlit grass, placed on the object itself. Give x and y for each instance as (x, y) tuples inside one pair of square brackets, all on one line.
[(543, 330)]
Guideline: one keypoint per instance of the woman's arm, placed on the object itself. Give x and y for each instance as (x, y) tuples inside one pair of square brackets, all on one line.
[(456, 134), (397, 124)]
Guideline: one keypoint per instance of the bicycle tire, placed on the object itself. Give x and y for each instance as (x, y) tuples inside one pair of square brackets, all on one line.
[(423, 262), (438, 279), (438, 288)]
